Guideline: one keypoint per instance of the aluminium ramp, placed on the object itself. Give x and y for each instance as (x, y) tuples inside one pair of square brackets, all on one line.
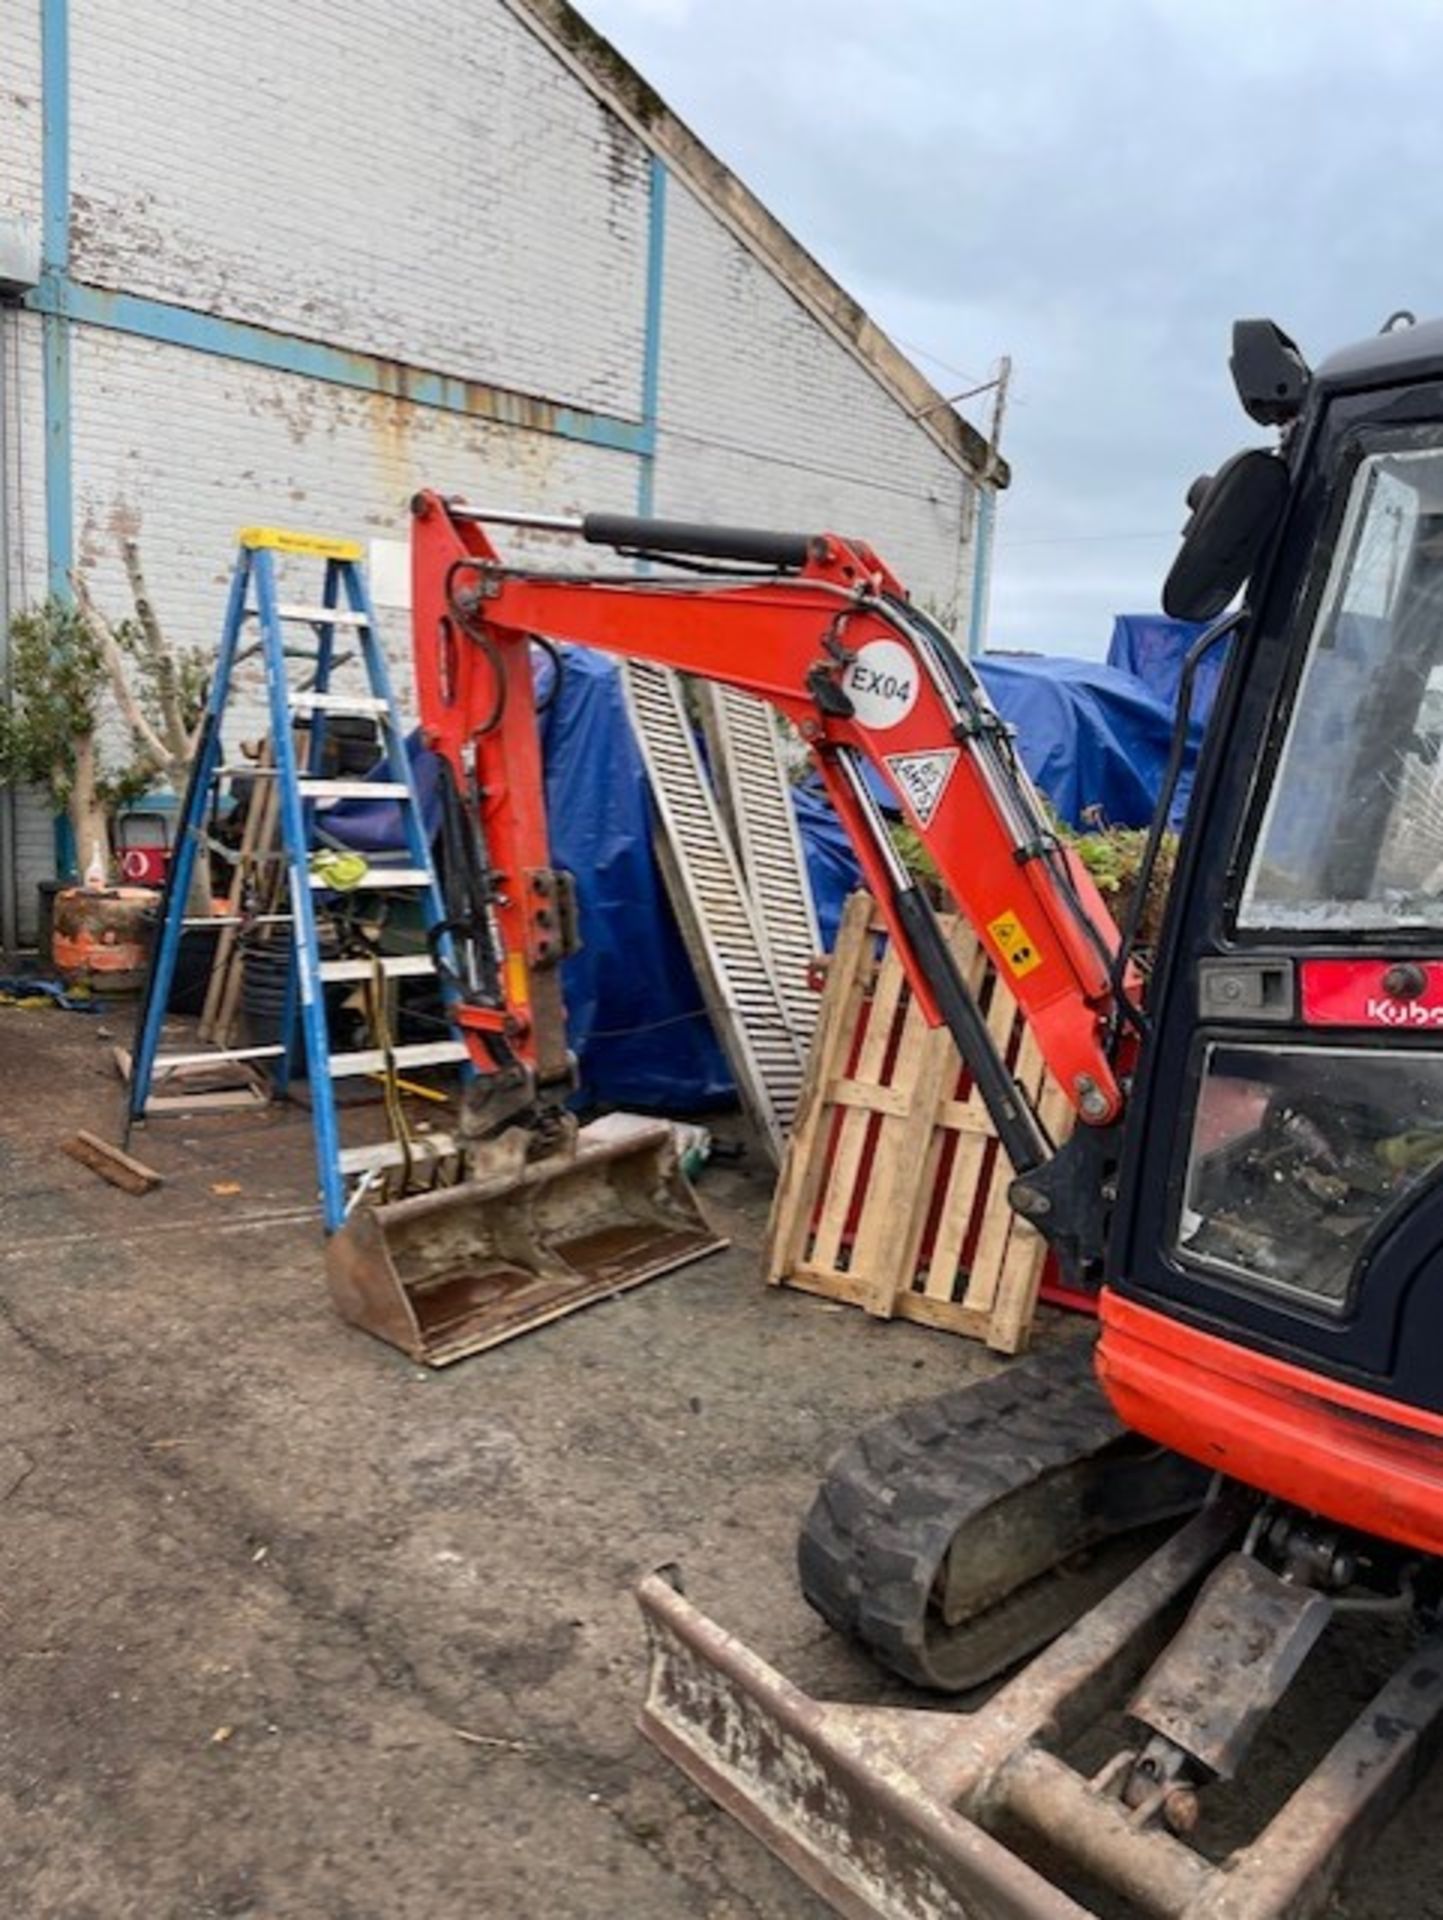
[(766, 1053), (757, 798)]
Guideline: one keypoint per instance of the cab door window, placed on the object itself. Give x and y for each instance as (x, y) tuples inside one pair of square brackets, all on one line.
[(1352, 834)]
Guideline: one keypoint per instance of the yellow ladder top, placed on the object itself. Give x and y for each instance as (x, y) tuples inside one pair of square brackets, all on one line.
[(286, 540)]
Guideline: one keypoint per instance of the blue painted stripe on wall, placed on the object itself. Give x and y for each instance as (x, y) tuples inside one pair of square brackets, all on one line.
[(651, 337), (255, 346), (54, 255), (55, 133), (59, 476)]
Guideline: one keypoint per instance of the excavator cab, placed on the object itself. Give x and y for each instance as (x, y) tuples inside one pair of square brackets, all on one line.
[(1281, 1188)]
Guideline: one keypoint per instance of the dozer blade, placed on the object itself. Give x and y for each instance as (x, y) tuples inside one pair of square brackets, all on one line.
[(837, 1792), (896, 1814), (441, 1275)]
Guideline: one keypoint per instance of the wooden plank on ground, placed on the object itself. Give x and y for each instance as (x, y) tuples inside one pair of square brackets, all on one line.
[(119, 1168)]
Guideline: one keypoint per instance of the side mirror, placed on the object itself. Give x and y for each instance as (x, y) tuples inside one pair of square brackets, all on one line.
[(1235, 514)]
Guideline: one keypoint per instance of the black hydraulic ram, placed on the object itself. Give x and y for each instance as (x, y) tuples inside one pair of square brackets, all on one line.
[(756, 546), (1022, 1139), (1006, 1105)]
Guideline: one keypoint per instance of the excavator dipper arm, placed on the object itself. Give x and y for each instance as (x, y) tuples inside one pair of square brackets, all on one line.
[(819, 627)]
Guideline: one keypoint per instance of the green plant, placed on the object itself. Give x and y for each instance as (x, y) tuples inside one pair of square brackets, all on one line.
[(47, 733), (158, 686), (65, 659), (914, 854), (1112, 855)]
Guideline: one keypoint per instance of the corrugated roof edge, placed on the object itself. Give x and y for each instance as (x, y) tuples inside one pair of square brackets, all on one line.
[(615, 81)]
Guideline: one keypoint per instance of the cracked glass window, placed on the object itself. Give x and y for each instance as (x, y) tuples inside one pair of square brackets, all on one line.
[(1352, 838)]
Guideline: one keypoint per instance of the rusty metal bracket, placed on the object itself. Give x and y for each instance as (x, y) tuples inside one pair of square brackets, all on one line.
[(1234, 1660)]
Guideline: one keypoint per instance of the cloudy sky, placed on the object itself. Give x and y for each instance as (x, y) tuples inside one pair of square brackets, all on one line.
[(1099, 190)]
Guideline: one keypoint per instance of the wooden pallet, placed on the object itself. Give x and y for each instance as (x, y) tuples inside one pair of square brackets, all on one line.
[(893, 1194)]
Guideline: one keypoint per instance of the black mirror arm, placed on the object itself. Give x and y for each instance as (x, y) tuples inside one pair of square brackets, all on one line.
[(1177, 754)]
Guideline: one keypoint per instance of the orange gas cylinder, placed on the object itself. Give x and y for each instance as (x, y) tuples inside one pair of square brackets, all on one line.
[(102, 937)]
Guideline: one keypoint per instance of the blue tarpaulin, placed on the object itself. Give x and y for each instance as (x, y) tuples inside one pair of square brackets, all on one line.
[(635, 1012), (1152, 648), (1091, 736), (636, 1017), (374, 826), (831, 864)]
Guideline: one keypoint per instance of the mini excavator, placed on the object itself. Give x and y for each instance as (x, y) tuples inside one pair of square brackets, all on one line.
[(1146, 1537)]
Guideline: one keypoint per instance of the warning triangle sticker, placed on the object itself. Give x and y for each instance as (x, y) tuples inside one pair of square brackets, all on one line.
[(921, 779)]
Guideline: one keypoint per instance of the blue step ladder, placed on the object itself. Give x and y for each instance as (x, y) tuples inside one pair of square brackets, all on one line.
[(345, 1173)]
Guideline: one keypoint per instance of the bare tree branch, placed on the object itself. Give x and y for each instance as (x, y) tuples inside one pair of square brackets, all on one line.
[(88, 818), (103, 634), (166, 679)]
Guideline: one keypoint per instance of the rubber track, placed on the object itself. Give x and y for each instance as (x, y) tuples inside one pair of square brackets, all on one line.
[(896, 1497)]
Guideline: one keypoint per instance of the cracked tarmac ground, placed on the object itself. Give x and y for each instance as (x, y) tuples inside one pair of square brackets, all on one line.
[(293, 1630)]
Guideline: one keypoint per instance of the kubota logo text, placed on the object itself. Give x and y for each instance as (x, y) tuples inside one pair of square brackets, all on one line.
[(1402, 1013)]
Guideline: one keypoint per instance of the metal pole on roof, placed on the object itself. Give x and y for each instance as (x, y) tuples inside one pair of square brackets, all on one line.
[(987, 512)]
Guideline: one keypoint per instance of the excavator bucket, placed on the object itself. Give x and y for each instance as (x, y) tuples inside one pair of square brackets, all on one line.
[(444, 1274)]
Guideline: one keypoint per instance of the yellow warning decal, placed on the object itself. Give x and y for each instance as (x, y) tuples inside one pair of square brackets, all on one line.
[(1015, 944), (518, 983), (324, 545)]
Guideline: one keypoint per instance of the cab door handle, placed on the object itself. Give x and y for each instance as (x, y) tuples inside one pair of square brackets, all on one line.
[(1246, 990)]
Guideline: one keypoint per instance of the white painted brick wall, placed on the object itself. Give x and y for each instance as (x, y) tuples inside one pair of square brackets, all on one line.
[(426, 182), (185, 449), (22, 366), (769, 421), (444, 192), (20, 107)]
